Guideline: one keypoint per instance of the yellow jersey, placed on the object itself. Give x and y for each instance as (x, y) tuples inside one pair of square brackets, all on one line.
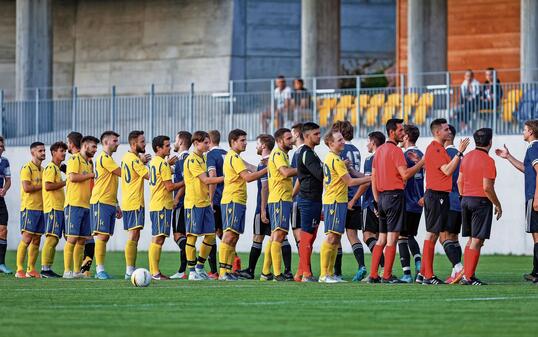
[(280, 187), (235, 187), (78, 194), (196, 192), (334, 169), (159, 172), (31, 201), (105, 188), (132, 182), (52, 200)]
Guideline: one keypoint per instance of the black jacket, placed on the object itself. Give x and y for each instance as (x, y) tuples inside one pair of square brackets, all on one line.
[(310, 174)]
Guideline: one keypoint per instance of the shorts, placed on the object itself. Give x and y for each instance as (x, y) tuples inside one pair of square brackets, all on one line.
[(200, 221), (32, 222), (259, 227), (178, 220), (77, 221), (218, 217), (411, 223), (391, 207), (478, 213), (370, 221), (54, 223), (102, 218), (454, 222), (531, 218), (436, 207), (3, 212), (335, 217), (279, 215), (133, 219), (161, 222), (309, 214), (296, 216), (354, 218), (233, 217)]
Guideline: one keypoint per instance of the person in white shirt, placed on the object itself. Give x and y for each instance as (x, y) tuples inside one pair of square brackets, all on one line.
[(282, 97)]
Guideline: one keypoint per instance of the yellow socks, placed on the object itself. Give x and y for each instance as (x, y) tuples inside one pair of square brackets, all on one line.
[(130, 254), (332, 260), (205, 249), (68, 256), (225, 252), (190, 250), (267, 262), (33, 252), (21, 255), (276, 257), (78, 255), (49, 250), (154, 258), (100, 252), (325, 255)]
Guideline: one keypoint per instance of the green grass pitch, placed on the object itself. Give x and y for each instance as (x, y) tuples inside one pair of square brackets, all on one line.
[(506, 307)]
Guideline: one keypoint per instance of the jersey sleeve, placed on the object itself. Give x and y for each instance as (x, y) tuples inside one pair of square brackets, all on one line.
[(399, 158), (73, 166), (178, 171), (26, 173), (490, 171), (7, 170), (339, 167), (108, 163), (533, 155), (195, 167), (165, 172), (368, 166), (238, 164), (211, 162), (139, 168), (279, 160), (264, 177), (49, 175)]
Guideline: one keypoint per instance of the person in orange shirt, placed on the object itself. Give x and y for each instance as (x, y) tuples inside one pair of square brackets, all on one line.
[(476, 184)]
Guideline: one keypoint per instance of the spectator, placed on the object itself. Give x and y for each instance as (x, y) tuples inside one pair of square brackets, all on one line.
[(469, 98), (282, 96), (301, 101), (488, 90)]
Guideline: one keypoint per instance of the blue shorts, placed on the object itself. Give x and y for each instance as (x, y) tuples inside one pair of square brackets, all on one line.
[(32, 222), (102, 218), (310, 214), (133, 219), (233, 217), (161, 222), (199, 220), (279, 215), (55, 223), (335, 217), (77, 221)]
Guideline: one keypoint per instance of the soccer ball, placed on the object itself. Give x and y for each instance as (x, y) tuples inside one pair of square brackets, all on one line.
[(141, 277)]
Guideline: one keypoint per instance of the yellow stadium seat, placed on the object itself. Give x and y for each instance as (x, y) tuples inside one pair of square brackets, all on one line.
[(371, 116), (340, 114), (388, 112), (426, 99), (420, 114), (346, 101), (510, 103), (394, 100), (363, 101), (411, 99), (354, 117), (324, 113), (377, 100)]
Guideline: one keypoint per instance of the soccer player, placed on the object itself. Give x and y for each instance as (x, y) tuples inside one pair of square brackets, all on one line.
[(5, 185), (389, 171), (439, 169), (298, 142), (199, 217), (215, 161), (133, 174), (53, 208), (77, 206), (161, 202), (32, 222), (280, 204), (414, 201), (529, 167), (309, 199), (234, 200), (181, 145), (261, 226), (476, 183), (449, 238), (104, 200), (335, 203)]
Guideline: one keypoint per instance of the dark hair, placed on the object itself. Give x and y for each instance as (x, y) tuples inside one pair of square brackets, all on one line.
[(75, 138), (298, 127), (159, 142), (199, 136), (482, 137), (108, 134), (36, 144), (377, 137), (2, 140), (214, 136), (133, 136), (234, 135), (186, 137), (392, 124), (280, 133), (89, 139), (532, 124), (452, 130), (437, 123), (412, 132), (281, 77), (58, 145), (345, 128), (300, 80), (309, 126), (267, 140)]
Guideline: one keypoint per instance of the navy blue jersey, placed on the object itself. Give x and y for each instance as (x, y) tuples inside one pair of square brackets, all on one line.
[(215, 161), (4, 170), (414, 187), (259, 182), (294, 162), (352, 154), (368, 196), (178, 174), (531, 159), (455, 204)]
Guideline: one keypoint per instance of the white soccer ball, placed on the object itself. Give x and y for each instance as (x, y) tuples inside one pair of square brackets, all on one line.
[(141, 277)]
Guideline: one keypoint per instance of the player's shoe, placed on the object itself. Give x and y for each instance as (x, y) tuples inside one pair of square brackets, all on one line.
[(266, 277), (33, 274), (194, 276), (371, 279), (419, 278), (391, 280), (160, 277), (202, 273), (68, 275), (20, 274), (280, 278), (471, 282), (308, 279), (288, 276), (228, 277), (79, 275), (456, 279), (213, 276), (339, 278), (359, 275), (86, 264), (432, 281), (4, 269), (49, 274), (178, 276), (328, 279), (530, 277), (246, 274), (127, 276), (236, 266), (103, 275), (406, 278)]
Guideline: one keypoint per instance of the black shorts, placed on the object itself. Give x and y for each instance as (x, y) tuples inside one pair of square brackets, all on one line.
[(295, 217), (370, 221), (178, 220), (531, 218), (218, 217), (261, 228), (391, 207), (3, 212), (454, 223), (436, 207), (354, 219), (477, 213), (411, 223)]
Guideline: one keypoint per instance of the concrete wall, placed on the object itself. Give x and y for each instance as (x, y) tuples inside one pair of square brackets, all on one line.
[(508, 234), (7, 46)]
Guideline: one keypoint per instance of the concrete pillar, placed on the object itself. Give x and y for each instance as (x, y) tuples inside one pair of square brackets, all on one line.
[(529, 41), (426, 41), (320, 38)]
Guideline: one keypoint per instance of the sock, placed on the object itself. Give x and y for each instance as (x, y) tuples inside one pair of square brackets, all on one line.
[(190, 251), (358, 251), (212, 259), (371, 243), (154, 255), (68, 256), (225, 251), (131, 248), (286, 255), (231, 257), (414, 248), (457, 252), (427, 263), (535, 260), (390, 253), (100, 253), (305, 253), (267, 260), (33, 252), (405, 257), (276, 257), (325, 255), (3, 248), (338, 262), (377, 252), (255, 252), (205, 250), (333, 259), (89, 249), (471, 262), (78, 255), (21, 255), (48, 252), (451, 251), (182, 256)]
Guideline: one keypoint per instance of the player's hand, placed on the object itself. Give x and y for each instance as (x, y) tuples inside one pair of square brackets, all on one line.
[(145, 157), (91, 175), (421, 202), (351, 204), (499, 212), (264, 161), (463, 144), (535, 204), (263, 217), (176, 202), (413, 156), (2, 192), (119, 213), (503, 153), (172, 160)]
